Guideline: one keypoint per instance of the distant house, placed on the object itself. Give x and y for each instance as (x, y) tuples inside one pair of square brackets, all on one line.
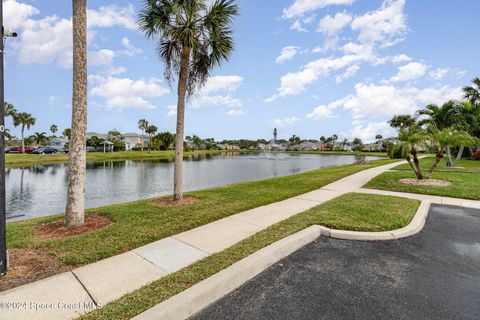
[(228, 147), (135, 140)]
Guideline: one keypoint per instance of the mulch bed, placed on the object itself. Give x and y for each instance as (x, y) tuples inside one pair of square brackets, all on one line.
[(57, 229), (28, 265), (426, 182), (169, 202)]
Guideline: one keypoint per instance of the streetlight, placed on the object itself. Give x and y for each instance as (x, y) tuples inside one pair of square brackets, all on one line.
[(4, 33)]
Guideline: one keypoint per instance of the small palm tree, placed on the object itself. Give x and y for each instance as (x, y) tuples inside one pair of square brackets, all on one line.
[(53, 129), (39, 137), (193, 38), (143, 125), (151, 130), (472, 93), (26, 121), (410, 139)]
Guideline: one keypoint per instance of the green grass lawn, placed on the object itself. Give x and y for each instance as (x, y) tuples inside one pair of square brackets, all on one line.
[(351, 211), (465, 181), (27, 159), (372, 154), (138, 223)]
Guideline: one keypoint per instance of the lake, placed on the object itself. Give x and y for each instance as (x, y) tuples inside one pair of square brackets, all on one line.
[(40, 190)]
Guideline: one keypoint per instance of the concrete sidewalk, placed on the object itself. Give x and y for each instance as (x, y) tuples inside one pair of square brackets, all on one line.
[(70, 294)]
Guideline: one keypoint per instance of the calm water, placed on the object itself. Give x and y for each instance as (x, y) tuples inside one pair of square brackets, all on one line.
[(41, 190)]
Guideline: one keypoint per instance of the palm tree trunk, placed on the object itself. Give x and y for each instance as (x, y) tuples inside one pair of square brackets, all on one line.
[(438, 158), (459, 156), (75, 210), (409, 160), (417, 164), (23, 140), (142, 138), (449, 157), (182, 90)]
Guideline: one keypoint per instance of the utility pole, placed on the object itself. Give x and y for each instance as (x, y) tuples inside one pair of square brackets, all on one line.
[(3, 211)]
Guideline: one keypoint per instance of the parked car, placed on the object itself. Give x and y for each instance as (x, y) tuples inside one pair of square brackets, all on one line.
[(19, 150), (45, 150)]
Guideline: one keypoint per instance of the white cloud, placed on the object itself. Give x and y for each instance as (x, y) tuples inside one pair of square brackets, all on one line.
[(368, 132), (129, 50), (439, 74), (48, 40), (172, 111), (401, 58), (280, 123), (101, 57), (410, 71), (332, 25), (297, 26), (287, 54), (127, 93), (235, 112), (349, 73), (320, 112), (302, 7), (217, 92), (371, 100), (386, 25)]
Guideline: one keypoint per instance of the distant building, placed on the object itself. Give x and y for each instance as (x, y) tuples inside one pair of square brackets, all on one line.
[(228, 147), (58, 143), (135, 140)]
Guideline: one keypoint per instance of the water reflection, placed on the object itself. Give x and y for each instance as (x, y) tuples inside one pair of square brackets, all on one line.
[(41, 190)]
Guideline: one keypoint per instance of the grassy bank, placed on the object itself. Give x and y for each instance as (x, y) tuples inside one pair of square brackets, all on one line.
[(465, 180), (138, 223), (348, 153), (31, 159), (351, 211)]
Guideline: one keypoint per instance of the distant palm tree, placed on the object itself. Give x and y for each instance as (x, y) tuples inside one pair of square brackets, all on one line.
[(334, 140), (193, 38), (472, 93), (378, 137), (25, 120), (39, 137), (53, 129), (9, 110), (402, 121), (151, 130), (75, 208), (143, 125), (67, 133)]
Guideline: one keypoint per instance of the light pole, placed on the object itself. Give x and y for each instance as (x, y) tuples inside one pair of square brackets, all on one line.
[(4, 33)]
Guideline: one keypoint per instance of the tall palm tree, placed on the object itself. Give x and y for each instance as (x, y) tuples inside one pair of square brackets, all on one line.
[(39, 137), (469, 121), (472, 93), (75, 209), (53, 129), (143, 125), (193, 38), (441, 117), (9, 110), (26, 121), (151, 130)]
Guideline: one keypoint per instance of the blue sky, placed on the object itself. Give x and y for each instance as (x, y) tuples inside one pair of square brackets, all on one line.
[(307, 67)]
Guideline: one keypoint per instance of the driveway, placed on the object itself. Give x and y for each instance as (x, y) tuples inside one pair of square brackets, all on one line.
[(433, 275)]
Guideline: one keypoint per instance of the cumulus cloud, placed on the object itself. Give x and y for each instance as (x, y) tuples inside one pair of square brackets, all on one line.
[(281, 123), (127, 93), (410, 71), (287, 54), (331, 25), (401, 58), (129, 49), (302, 7), (235, 112), (321, 112), (439, 74), (218, 92), (368, 131)]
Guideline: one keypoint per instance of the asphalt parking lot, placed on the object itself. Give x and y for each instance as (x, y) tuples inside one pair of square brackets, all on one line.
[(432, 275)]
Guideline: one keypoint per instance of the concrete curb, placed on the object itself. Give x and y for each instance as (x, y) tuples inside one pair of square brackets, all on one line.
[(197, 297), (414, 227)]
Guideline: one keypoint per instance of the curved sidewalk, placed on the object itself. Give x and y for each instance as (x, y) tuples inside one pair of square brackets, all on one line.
[(70, 294)]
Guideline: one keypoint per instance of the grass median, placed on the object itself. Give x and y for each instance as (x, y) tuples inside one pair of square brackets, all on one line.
[(465, 180), (358, 212), (138, 223)]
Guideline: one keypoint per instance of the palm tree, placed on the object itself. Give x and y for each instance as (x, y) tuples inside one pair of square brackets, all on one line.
[(67, 133), (151, 130), (9, 110), (334, 140), (25, 120), (441, 117), (75, 209), (410, 139), (378, 137), (39, 137), (472, 93), (192, 40), (53, 129), (142, 125), (402, 121)]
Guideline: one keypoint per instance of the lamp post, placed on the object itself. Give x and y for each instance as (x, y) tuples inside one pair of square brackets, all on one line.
[(4, 33)]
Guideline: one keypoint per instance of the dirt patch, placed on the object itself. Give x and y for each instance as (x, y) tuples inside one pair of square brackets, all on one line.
[(169, 202), (426, 182), (28, 265), (57, 229)]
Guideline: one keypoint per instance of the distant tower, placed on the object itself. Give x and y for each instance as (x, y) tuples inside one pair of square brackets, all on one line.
[(275, 132)]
